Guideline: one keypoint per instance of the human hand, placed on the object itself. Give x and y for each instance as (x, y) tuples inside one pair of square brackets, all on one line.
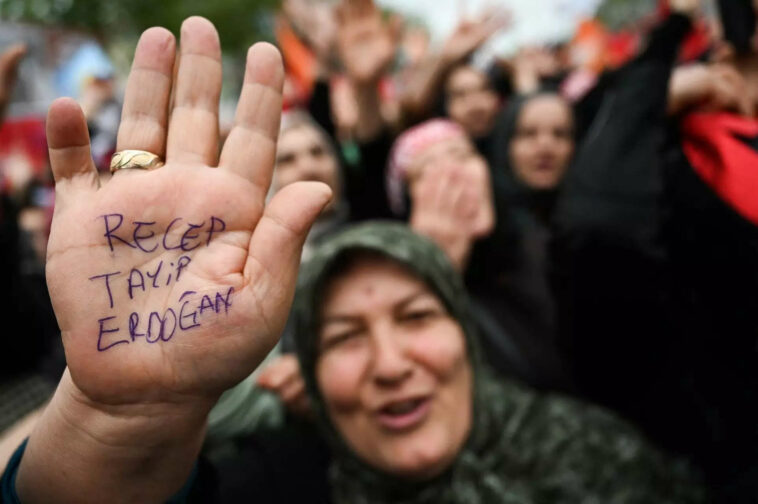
[(709, 87), (365, 42), (283, 378), (9, 62), (686, 7), (172, 285), (316, 24), (529, 66), (469, 35), (450, 205)]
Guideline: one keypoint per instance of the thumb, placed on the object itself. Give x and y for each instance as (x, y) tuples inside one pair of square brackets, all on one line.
[(277, 242)]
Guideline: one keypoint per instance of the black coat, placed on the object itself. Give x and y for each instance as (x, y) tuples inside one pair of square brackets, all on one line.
[(657, 283)]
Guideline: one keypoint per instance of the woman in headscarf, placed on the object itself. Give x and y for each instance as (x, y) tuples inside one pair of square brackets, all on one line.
[(535, 144), (389, 353), (503, 246)]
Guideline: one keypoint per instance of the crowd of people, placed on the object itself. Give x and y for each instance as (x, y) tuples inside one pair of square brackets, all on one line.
[(398, 279)]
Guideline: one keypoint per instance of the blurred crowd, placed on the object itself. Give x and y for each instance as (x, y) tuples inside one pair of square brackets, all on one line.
[(599, 198)]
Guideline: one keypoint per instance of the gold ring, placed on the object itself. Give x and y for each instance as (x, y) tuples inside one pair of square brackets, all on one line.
[(143, 160)]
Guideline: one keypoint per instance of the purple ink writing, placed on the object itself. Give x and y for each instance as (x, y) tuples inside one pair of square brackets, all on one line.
[(182, 263), (155, 274), (144, 234), (215, 221), (135, 280), (168, 230), (107, 284), (225, 300), (206, 304), (189, 315), (189, 236), (109, 232), (137, 238), (157, 326), (103, 330), (133, 323)]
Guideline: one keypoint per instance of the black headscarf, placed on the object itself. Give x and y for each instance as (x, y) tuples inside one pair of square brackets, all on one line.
[(509, 271), (509, 190), (738, 20)]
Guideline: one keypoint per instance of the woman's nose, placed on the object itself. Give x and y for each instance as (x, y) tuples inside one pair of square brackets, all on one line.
[(390, 363)]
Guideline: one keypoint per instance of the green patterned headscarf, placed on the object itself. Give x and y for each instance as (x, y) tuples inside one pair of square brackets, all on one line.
[(522, 448)]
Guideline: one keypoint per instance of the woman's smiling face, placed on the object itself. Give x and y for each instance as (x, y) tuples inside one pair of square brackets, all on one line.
[(543, 145), (393, 370)]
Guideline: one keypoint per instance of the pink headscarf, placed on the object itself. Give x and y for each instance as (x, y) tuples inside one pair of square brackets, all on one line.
[(407, 147)]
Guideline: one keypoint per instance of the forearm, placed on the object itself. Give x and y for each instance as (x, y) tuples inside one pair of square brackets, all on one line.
[(81, 453), (424, 88), (615, 181), (320, 105), (370, 121)]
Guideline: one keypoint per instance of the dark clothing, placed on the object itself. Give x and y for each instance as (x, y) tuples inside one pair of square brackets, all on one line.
[(24, 301), (657, 283), (364, 186), (509, 270), (607, 252), (713, 258), (281, 466), (738, 21)]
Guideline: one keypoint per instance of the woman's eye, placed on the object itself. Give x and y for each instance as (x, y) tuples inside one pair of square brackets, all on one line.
[(285, 160), (340, 339), (562, 133), (317, 152), (418, 315)]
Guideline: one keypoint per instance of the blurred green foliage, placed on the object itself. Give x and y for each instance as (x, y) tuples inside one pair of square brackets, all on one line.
[(241, 22), (617, 14)]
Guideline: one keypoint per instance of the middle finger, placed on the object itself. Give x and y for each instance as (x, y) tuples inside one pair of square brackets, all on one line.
[(193, 130)]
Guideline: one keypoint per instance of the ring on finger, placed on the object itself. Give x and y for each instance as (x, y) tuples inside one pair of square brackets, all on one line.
[(139, 159)]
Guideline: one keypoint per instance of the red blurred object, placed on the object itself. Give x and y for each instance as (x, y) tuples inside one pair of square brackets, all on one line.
[(299, 62), (715, 146), (696, 44)]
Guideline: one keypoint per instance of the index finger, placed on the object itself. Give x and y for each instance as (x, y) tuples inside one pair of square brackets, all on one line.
[(250, 148)]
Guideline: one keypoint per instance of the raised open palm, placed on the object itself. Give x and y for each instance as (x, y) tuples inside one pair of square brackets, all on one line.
[(366, 43), (173, 284)]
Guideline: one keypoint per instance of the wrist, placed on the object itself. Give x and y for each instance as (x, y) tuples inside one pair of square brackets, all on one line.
[(112, 453), (158, 422), (685, 7), (447, 60)]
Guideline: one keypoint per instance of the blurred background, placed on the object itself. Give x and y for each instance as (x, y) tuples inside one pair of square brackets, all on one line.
[(361, 75)]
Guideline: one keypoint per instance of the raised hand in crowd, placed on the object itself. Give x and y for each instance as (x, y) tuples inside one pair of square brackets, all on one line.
[(450, 205), (425, 82), (283, 378), (709, 87), (530, 66), (170, 283), (366, 43), (317, 26), (686, 7), (471, 34), (9, 62)]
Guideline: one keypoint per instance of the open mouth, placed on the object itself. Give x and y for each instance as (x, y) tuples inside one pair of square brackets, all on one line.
[(403, 415), (544, 165)]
